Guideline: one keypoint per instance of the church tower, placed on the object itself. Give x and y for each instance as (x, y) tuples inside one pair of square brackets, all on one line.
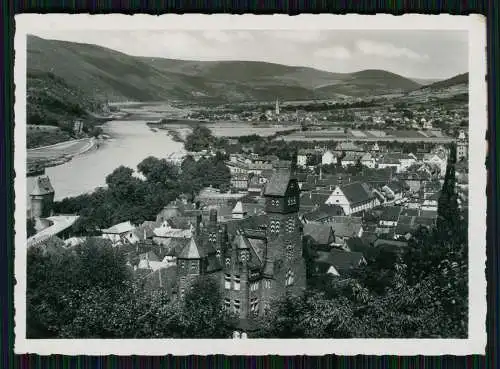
[(285, 265), (277, 110), (462, 146)]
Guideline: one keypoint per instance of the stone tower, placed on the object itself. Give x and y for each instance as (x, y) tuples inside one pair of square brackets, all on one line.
[(285, 265), (42, 198), (189, 265), (462, 146)]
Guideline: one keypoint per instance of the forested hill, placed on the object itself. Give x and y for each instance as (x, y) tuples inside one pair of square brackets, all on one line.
[(460, 79), (110, 75)]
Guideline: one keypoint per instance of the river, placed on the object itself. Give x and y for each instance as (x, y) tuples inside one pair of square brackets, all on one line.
[(131, 142)]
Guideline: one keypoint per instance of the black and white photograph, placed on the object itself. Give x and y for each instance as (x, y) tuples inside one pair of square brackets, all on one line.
[(250, 186)]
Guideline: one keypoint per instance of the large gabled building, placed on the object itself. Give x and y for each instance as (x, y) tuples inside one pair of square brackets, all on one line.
[(353, 197), (255, 258)]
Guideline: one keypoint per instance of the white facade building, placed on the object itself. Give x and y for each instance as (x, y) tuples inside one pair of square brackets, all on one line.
[(328, 158)]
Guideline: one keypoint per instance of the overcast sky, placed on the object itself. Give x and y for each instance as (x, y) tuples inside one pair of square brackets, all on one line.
[(415, 54)]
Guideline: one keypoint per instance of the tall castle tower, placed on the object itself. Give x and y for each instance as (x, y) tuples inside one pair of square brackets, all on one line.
[(42, 198), (284, 260), (462, 146)]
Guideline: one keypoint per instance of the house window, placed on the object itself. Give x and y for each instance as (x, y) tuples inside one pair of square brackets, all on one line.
[(275, 226), (217, 253), (182, 292), (228, 262), (194, 266), (227, 304), (212, 237), (275, 202), (254, 305), (290, 226), (236, 306), (254, 286), (289, 251), (227, 281), (267, 283), (236, 282), (181, 264), (290, 278), (245, 256)]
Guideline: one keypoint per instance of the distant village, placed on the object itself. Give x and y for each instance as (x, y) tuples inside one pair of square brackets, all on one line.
[(252, 237), (407, 114)]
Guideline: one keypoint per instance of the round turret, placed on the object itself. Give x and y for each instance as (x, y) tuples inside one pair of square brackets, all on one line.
[(42, 198)]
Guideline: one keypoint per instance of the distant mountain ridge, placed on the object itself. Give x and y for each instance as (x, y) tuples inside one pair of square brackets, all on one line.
[(107, 74), (450, 82)]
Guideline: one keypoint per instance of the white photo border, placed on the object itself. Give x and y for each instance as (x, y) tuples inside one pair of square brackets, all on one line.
[(474, 344)]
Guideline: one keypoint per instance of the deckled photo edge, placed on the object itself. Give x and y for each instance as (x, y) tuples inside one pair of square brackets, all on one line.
[(476, 342)]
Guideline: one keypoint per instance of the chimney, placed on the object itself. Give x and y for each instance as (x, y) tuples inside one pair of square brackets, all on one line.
[(198, 223), (213, 216)]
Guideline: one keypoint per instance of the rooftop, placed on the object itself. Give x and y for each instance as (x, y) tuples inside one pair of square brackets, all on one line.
[(58, 224), (42, 186), (278, 183), (119, 228), (357, 192)]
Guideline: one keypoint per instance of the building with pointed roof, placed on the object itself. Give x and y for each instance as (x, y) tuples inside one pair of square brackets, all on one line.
[(121, 234), (462, 146), (255, 258), (353, 197), (42, 197)]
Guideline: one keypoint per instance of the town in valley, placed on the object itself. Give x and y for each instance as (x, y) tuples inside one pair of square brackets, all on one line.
[(336, 215)]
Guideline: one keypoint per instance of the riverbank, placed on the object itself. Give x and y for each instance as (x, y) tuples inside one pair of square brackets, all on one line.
[(130, 143), (49, 156)]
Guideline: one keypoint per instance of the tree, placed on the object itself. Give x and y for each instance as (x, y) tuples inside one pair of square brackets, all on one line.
[(309, 316), (30, 227), (158, 171), (199, 139), (448, 212), (203, 313), (124, 312), (57, 283), (96, 132), (121, 183)]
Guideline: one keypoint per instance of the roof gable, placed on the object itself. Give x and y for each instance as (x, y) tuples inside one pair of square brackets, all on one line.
[(119, 228), (321, 233), (357, 192), (42, 187), (191, 251), (280, 184)]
